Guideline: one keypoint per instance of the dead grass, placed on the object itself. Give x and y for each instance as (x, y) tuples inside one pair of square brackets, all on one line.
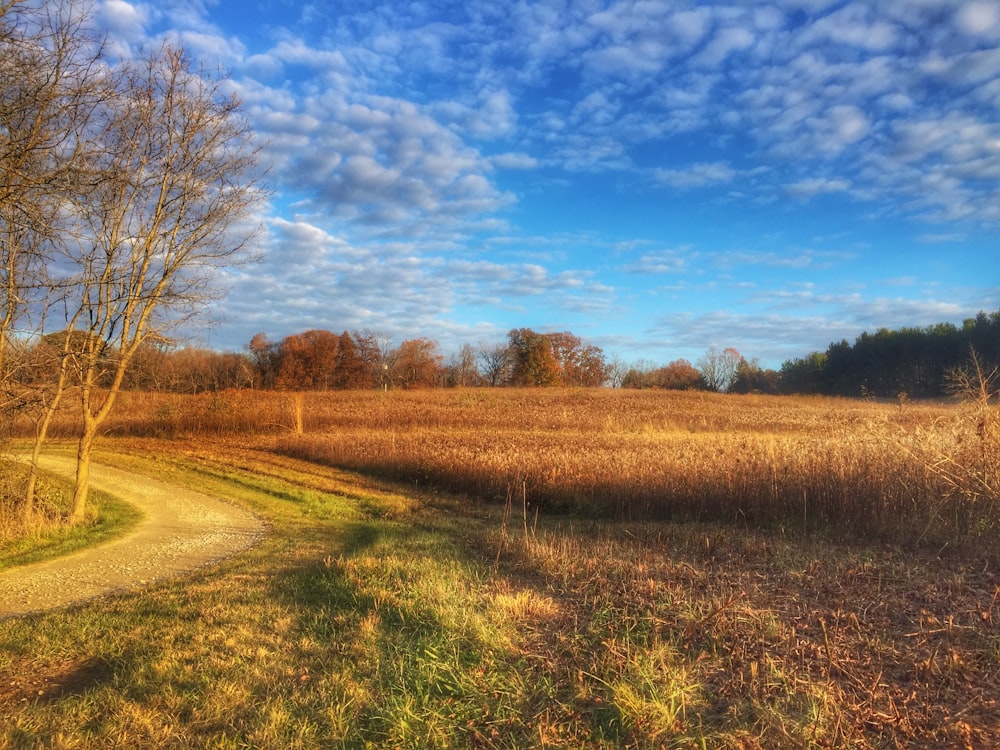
[(555, 569), (377, 616), (901, 471), (764, 641), (822, 465)]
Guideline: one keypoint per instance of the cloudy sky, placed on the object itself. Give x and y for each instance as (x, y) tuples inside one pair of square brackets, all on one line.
[(656, 177)]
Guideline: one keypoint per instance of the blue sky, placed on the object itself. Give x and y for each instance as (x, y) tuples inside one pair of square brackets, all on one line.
[(656, 177)]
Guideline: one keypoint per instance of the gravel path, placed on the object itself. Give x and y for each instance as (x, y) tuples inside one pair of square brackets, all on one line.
[(182, 530)]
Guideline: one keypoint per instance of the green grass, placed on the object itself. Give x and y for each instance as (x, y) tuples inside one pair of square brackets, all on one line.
[(111, 517), (375, 617)]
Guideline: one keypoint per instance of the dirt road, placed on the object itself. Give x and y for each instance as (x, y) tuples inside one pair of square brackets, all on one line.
[(182, 530)]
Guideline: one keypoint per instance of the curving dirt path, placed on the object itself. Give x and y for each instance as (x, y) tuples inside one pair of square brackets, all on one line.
[(182, 530)]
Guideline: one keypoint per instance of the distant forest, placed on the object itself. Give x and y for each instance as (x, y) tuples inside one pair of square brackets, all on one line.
[(913, 362)]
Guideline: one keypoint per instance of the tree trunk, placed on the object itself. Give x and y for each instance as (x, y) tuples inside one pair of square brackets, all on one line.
[(79, 508), (41, 435)]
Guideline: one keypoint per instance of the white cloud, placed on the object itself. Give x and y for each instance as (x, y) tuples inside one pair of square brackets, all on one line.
[(723, 44), (855, 25), (493, 117), (810, 6), (690, 25), (695, 176), (204, 47), (125, 23), (661, 262), (979, 17), (932, 238), (848, 123), (514, 160), (896, 102), (816, 186), (968, 68), (768, 18), (377, 160), (580, 152), (788, 258), (497, 116), (626, 61), (297, 52), (595, 109)]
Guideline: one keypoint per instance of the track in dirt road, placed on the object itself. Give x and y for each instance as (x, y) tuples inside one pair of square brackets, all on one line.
[(182, 529)]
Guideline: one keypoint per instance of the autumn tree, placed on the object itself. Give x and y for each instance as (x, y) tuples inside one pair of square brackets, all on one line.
[(752, 378), (308, 360), (417, 364), (352, 371), (151, 368), (579, 364), (532, 360), (266, 358), (639, 374), (679, 375), (173, 183), (193, 369)]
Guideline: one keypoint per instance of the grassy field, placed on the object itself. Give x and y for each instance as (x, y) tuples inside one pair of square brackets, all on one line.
[(545, 569), (903, 472)]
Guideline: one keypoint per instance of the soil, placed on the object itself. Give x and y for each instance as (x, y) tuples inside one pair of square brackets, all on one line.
[(182, 530)]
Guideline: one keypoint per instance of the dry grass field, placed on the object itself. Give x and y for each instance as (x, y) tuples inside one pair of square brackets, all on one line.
[(926, 473), (550, 569)]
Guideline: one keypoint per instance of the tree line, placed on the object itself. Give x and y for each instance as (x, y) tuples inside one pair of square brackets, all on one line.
[(917, 362), (321, 360)]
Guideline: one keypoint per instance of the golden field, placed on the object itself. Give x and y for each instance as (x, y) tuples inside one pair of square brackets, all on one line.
[(903, 471), (462, 606)]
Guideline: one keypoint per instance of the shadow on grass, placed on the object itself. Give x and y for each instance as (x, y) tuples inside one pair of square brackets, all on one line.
[(54, 680), (360, 536), (402, 613)]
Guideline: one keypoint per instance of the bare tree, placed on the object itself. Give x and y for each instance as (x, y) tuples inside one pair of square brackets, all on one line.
[(52, 85), (719, 369), (494, 362), (174, 180), (417, 364), (462, 367), (617, 369), (383, 356)]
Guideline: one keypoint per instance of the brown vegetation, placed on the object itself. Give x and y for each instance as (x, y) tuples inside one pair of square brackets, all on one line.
[(903, 471), (425, 618)]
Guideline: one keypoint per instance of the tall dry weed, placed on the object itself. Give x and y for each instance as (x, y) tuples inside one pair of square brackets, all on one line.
[(960, 457), (815, 464), (905, 471)]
